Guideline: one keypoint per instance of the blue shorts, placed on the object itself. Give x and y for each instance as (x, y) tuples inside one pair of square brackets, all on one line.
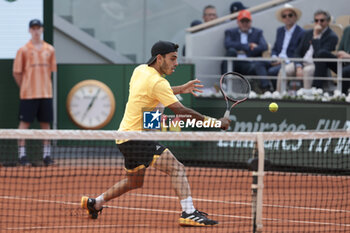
[(42, 109), (140, 154)]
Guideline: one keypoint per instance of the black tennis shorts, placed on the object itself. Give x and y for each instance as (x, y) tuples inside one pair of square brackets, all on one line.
[(139, 154), (42, 109)]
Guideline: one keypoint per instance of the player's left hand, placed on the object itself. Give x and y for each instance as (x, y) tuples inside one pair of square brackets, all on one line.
[(192, 87)]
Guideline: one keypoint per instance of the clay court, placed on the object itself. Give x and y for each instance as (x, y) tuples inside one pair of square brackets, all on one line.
[(38, 199)]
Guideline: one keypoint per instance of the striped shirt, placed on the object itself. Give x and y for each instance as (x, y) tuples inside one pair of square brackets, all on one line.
[(36, 66)]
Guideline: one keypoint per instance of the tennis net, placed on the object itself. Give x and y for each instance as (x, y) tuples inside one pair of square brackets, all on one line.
[(248, 182)]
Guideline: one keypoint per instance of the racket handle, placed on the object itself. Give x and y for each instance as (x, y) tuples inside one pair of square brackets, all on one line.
[(227, 114)]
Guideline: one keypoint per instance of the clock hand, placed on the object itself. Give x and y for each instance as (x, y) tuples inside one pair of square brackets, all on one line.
[(91, 103)]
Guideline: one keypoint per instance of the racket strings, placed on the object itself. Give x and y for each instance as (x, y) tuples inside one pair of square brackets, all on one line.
[(235, 87)]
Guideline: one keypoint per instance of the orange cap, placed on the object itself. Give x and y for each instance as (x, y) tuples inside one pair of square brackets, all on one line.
[(244, 14)]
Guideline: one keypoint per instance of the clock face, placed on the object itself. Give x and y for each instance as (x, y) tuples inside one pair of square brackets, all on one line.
[(91, 104)]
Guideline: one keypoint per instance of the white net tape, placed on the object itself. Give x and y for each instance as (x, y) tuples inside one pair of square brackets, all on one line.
[(164, 136)]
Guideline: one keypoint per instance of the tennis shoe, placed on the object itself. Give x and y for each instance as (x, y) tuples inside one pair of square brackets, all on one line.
[(89, 204), (197, 218), (23, 161)]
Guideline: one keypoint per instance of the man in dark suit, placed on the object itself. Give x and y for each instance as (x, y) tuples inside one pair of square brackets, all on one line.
[(288, 37), (320, 38), (343, 53), (246, 41)]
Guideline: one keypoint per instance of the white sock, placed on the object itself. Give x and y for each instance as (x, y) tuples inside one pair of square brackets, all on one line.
[(187, 205), (99, 202), (47, 150), (21, 151)]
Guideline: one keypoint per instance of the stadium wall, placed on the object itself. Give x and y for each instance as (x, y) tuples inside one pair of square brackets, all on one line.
[(116, 76)]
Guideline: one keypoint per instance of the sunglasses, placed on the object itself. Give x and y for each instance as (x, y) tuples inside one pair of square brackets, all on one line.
[(290, 15), (319, 20)]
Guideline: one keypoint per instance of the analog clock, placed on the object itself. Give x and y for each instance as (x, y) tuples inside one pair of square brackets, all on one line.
[(90, 104)]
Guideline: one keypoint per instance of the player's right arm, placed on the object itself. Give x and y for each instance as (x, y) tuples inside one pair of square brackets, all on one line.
[(165, 95), (179, 109)]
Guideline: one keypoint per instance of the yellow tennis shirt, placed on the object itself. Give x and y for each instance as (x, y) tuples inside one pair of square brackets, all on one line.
[(147, 90)]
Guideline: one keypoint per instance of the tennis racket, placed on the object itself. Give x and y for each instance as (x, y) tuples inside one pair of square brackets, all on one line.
[(235, 88)]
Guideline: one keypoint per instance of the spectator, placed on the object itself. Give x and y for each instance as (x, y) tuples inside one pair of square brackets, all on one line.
[(32, 69), (237, 6), (209, 13), (246, 41), (343, 53), (320, 38), (288, 37)]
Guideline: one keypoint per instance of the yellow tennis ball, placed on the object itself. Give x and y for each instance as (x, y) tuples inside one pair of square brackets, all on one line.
[(273, 107)]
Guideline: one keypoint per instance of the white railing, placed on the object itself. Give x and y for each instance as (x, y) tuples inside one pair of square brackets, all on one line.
[(284, 62)]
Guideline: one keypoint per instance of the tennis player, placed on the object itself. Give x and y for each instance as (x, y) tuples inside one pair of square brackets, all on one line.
[(149, 89)]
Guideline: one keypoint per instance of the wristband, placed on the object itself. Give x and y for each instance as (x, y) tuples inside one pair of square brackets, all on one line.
[(211, 120)]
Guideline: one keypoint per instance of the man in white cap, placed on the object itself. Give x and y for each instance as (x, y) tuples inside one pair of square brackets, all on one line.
[(288, 36), (287, 40)]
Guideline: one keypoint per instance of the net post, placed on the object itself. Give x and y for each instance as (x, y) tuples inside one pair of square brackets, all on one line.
[(258, 184)]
